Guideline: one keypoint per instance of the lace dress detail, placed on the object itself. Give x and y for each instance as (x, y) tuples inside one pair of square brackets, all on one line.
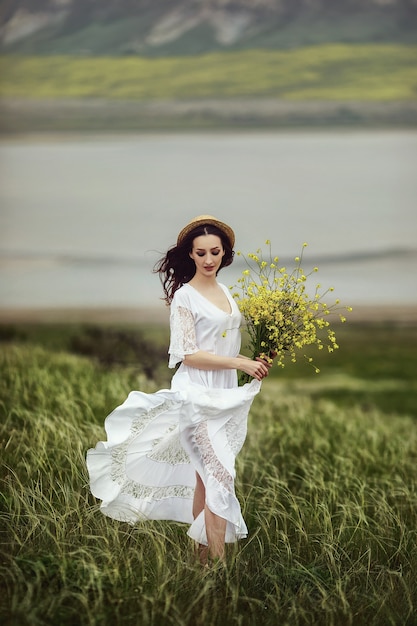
[(169, 450), (156, 443), (183, 338), (209, 458), (236, 434)]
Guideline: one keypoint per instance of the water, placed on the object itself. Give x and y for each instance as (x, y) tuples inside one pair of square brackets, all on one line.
[(83, 219)]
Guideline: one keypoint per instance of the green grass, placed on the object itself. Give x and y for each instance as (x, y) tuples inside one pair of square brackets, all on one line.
[(375, 368), (328, 492), (366, 72)]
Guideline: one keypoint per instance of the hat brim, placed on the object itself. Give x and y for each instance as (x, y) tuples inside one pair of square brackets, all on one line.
[(201, 221)]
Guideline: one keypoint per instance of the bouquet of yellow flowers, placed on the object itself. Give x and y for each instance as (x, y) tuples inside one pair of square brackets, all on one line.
[(280, 316)]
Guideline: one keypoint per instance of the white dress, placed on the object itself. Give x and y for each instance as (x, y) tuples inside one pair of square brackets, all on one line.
[(157, 442)]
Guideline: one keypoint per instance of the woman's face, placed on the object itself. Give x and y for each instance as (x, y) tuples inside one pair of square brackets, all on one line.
[(207, 254)]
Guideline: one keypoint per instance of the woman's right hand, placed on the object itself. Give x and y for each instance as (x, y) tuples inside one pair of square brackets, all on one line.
[(257, 369)]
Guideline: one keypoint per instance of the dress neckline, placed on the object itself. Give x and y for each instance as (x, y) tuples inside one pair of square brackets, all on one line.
[(230, 312)]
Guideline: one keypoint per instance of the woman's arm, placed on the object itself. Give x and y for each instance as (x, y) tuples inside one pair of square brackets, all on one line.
[(202, 360)]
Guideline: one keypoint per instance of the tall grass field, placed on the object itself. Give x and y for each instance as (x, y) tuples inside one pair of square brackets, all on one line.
[(364, 72), (327, 480)]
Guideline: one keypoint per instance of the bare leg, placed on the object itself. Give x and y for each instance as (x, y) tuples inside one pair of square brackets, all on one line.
[(215, 526), (216, 531), (199, 497), (198, 506)]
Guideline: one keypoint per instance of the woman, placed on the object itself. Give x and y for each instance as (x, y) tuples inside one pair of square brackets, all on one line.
[(171, 454)]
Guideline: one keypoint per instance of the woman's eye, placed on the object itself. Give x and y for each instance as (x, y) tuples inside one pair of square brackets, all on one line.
[(200, 253), (216, 253)]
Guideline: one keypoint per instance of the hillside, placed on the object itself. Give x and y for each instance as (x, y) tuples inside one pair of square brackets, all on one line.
[(179, 27), (206, 63)]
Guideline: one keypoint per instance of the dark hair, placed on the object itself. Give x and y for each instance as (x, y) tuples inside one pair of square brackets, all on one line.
[(176, 267)]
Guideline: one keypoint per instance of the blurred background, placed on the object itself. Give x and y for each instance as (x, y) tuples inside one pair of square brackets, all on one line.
[(122, 120)]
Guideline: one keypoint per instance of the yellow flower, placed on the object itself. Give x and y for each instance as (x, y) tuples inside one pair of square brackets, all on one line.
[(281, 317)]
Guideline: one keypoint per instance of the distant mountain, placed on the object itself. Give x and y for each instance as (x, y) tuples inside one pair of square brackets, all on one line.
[(167, 27)]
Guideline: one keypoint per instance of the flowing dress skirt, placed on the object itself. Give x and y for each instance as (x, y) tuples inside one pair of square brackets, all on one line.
[(146, 470)]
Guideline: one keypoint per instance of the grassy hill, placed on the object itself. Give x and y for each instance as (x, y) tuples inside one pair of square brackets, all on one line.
[(334, 84), (331, 72), (327, 481)]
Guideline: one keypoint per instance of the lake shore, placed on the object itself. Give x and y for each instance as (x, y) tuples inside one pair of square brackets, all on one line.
[(66, 115), (396, 314)]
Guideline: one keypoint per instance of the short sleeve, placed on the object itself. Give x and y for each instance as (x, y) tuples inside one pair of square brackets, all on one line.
[(183, 337)]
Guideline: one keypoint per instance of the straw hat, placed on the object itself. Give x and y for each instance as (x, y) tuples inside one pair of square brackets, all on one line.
[(201, 220)]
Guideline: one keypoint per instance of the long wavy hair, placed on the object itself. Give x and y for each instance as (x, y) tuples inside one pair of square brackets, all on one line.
[(176, 267)]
